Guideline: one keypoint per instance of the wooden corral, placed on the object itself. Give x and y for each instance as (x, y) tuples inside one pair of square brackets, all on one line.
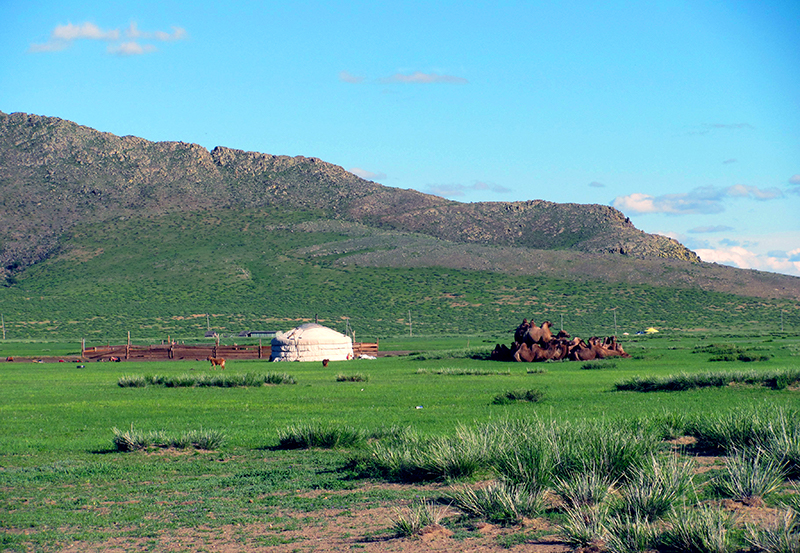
[(162, 352)]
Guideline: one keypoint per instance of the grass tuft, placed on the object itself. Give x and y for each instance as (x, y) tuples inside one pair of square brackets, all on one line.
[(357, 377), (320, 435), (703, 529), (418, 516), (499, 502), (512, 396), (137, 440), (749, 477)]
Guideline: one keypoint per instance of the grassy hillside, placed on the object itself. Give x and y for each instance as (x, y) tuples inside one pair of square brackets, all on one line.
[(56, 173), (271, 269)]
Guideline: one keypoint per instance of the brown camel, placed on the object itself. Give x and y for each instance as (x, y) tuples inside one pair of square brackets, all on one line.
[(582, 352), (523, 354), (539, 335), (522, 330)]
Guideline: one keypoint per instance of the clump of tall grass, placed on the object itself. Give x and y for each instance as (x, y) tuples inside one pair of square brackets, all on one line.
[(630, 534), (688, 381), (356, 377), (601, 364), (653, 488), (499, 502), (667, 425), (749, 477), (782, 442), (704, 529), (132, 381), (524, 451), (769, 429), (782, 536), (416, 459), (320, 435), (462, 353), (419, 515), (612, 447), (455, 371), (207, 380), (585, 527), (135, 440), (584, 489), (511, 396)]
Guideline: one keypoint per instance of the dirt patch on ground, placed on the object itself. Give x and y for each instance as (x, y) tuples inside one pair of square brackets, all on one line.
[(369, 530)]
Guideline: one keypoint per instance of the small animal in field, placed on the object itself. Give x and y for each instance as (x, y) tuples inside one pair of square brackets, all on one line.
[(216, 361), (325, 362)]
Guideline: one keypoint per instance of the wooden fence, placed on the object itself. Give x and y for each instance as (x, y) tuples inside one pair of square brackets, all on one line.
[(178, 351)]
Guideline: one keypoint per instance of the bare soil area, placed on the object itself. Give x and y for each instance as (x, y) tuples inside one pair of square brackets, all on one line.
[(370, 530)]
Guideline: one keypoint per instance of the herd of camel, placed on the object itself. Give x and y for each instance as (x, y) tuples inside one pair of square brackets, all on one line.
[(538, 343)]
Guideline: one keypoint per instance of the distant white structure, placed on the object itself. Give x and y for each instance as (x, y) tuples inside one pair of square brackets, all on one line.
[(311, 342)]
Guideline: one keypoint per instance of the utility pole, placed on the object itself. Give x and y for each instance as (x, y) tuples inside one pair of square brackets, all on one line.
[(409, 322), (615, 321), (4, 324)]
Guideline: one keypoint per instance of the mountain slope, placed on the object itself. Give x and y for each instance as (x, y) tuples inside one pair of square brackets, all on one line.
[(54, 173)]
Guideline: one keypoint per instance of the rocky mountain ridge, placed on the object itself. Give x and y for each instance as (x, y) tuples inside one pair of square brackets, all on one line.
[(55, 173)]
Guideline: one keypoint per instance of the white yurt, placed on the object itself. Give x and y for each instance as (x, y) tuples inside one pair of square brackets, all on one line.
[(311, 342)]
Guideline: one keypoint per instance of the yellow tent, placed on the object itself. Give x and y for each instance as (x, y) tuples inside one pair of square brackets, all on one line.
[(651, 330)]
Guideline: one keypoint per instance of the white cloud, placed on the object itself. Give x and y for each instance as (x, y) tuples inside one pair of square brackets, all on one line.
[(742, 191), (738, 256), (711, 127), (84, 30), (347, 77), (368, 175), (131, 49), (794, 179), (707, 229), (703, 199), (133, 32), (459, 190), (424, 78), (743, 258), (63, 36), (595, 184)]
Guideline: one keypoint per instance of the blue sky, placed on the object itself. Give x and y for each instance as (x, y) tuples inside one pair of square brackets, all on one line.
[(684, 115)]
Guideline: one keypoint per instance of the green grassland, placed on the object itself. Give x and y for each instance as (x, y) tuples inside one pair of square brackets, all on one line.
[(158, 276), (61, 477)]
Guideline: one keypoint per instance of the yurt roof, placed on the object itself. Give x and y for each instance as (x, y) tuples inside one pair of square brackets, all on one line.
[(311, 333)]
